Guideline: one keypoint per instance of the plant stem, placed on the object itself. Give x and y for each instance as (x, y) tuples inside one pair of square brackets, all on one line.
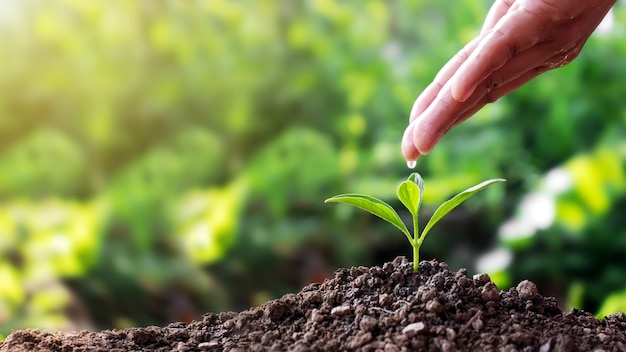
[(416, 243)]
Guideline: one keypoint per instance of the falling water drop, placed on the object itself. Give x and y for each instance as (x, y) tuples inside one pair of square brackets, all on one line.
[(411, 164)]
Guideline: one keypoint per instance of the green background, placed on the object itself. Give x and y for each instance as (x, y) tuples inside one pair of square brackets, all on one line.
[(162, 159)]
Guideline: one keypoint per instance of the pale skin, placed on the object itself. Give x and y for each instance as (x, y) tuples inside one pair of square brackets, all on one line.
[(520, 39)]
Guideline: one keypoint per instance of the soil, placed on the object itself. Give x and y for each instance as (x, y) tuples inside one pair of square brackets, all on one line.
[(387, 309)]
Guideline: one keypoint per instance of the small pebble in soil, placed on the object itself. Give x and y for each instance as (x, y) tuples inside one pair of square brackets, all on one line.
[(414, 328), (340, 310), (450, 334), (368, 323), (445, 345), (317, 316), (481, 279), (390, 347), (490, 292), (208, 345), (434, 306), (384, 300), (527, 290), (477, 324)]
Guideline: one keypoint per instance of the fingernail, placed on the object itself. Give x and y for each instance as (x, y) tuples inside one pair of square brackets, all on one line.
[(461, 97)]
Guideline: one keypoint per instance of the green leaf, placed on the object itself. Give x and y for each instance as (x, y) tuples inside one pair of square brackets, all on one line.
[(374, 206), (410, 195), (446, 207)]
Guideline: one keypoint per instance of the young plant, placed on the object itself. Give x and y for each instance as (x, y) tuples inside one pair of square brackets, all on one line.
[(410, 193)]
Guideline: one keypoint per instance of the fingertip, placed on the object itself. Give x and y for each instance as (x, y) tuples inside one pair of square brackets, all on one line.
[(461, 93), (416, 136), (411, 155), (424, 139), (409, 151)]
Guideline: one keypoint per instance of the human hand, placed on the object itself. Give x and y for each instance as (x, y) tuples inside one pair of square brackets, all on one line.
[(520, 39)]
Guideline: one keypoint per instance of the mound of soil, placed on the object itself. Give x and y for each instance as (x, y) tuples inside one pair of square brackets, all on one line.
[(388, 308)]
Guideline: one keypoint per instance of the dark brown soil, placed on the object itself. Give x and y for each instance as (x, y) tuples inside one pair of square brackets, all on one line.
[(369, 309)]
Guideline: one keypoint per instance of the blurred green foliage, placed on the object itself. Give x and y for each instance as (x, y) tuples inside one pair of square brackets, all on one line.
[(161, 159)]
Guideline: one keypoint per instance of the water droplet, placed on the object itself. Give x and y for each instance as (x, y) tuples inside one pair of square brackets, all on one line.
[(411, 164)]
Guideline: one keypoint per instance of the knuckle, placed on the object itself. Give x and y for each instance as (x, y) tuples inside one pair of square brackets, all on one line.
[(490, 97), (463, 54), (508, 3), (492, 82)]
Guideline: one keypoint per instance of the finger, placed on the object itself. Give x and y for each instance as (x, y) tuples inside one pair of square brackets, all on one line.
[(495, 94), (442, 77), (409, 150), (448, 70), (431, 127), (496, 12), (512, 76), (435, 121), (514, 33), (425, 99)]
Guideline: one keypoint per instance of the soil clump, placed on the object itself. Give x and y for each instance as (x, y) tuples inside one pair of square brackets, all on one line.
[(387, 309)]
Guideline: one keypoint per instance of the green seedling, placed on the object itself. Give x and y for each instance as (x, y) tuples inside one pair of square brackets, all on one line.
[(410, 193)]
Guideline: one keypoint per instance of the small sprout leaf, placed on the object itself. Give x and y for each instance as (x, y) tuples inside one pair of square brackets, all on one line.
[(374, 206), (410, 195), (446, 207)]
